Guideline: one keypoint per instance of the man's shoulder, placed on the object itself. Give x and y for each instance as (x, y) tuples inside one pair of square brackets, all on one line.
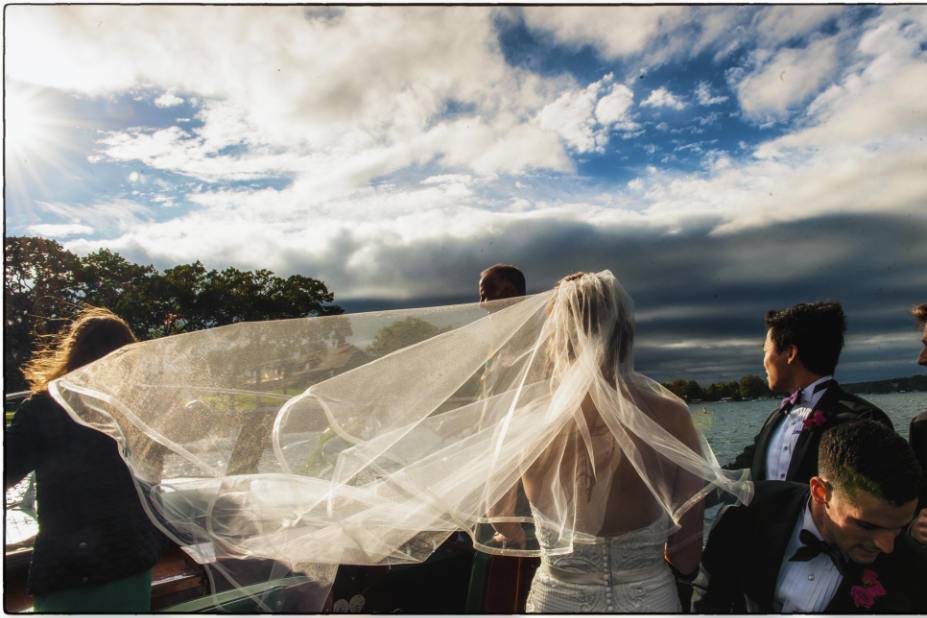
[(903, 569), (848, 403), (774, 492), (768, 496)]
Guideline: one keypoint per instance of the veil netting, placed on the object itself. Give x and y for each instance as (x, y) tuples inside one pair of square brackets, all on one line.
[(288, 447)]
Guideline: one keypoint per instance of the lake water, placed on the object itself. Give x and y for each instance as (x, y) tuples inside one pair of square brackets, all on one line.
[(729, 427)]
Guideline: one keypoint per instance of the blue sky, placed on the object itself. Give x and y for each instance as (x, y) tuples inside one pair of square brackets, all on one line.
[(721, 160)]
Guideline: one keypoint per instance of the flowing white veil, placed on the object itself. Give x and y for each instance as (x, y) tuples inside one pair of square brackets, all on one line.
[(369, 438)]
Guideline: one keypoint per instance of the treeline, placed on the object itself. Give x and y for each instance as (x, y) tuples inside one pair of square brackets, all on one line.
[(44, 286), (894, 385), (748, 387)]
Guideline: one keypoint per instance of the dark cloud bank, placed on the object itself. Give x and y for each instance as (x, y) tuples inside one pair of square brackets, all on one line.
[(703, 289)]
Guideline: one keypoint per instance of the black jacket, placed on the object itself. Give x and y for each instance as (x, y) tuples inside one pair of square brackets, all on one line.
[(92, 528), (747, 546), (837, 405)]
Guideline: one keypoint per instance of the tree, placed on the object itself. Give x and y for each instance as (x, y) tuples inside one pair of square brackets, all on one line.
[(39, 295), (401, 334), (753, 386), (46, 285), (692, 391)]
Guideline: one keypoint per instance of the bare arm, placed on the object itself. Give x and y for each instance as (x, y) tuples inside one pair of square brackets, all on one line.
[(684, 548)]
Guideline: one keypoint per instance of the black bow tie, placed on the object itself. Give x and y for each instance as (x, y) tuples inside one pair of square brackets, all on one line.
[(795, 397), (812, 546)]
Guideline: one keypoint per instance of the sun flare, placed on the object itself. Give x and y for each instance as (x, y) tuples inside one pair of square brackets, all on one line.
[(33, 128), (36, 142)]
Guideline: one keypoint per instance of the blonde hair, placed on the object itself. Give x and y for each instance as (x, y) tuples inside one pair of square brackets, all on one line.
[(93, 334), (587, 305)]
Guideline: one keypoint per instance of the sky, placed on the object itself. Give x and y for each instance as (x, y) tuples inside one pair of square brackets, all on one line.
[(720, 160)]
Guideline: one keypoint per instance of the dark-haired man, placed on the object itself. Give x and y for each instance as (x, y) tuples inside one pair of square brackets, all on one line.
[(830, 545), (507, 578), (501, 281), (803, 345), (918, 432)]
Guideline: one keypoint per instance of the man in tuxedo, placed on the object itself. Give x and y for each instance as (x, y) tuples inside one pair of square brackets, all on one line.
[(830, 545), (803, 344), (917, 433)]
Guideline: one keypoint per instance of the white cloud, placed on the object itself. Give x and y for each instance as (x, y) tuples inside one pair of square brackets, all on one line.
[(661, 97), (778, 24), (355, 80), (615, 31), (880, 102), (704, 95), (585, 118), (168, 99), (112, 216), (350, 105), (612, 109), (60, 230), (783, 79)]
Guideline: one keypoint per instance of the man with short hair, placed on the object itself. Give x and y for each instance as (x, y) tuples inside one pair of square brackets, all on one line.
[(507, 578), (501, 281), (830, 545), (803, 345), (917, 433)]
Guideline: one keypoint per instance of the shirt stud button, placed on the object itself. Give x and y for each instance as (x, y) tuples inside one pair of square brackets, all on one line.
[(811, 578)]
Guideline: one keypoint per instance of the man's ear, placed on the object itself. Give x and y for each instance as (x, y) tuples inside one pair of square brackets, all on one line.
[(820, 490), (793, 354)]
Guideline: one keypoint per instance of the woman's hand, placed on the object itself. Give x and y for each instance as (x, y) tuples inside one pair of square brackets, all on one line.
[(508, 535)]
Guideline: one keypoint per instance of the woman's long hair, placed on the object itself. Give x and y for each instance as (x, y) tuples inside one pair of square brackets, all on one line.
[(93, 334), (589, 311)]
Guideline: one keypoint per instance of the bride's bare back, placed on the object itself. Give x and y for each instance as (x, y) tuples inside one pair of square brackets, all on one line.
[(611, 498)]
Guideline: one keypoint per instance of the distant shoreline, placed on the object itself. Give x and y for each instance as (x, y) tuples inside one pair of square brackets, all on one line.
[(914, 383)]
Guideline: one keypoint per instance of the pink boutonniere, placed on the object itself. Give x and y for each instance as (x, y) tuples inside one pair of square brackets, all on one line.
[(816, 419), (866, 595)]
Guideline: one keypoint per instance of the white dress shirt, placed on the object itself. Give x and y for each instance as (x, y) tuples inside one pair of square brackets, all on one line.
[(805, 587), (785, 435)]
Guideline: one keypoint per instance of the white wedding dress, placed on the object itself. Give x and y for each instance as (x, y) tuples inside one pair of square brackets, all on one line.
[(622, 574)]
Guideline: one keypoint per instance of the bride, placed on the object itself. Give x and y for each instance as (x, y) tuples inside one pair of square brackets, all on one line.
[(370, 438), (625, 543)]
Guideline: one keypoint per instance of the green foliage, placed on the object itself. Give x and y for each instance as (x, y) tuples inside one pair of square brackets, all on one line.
[(753, 386), (401, 334), (749, 387), (46, 285)]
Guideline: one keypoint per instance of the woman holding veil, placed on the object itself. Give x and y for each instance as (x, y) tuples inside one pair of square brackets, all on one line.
[(521, 422)]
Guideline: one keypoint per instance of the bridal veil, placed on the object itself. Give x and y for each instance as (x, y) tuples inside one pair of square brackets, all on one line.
[(369, 438)]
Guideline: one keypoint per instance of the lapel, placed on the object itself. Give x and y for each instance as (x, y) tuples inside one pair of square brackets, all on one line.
[(842, 602), (803, 464), (895, 599), (758, 469), (776, 532)]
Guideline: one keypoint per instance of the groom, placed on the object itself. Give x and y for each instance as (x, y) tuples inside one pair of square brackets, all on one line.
[(831, 545), (803, 344)]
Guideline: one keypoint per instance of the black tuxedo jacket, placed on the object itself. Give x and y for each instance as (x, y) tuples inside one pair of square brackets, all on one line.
[(917, 435), (837, 405), (747, 546)]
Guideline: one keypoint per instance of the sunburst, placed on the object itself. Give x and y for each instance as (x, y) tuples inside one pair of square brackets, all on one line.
[(36, 142)]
